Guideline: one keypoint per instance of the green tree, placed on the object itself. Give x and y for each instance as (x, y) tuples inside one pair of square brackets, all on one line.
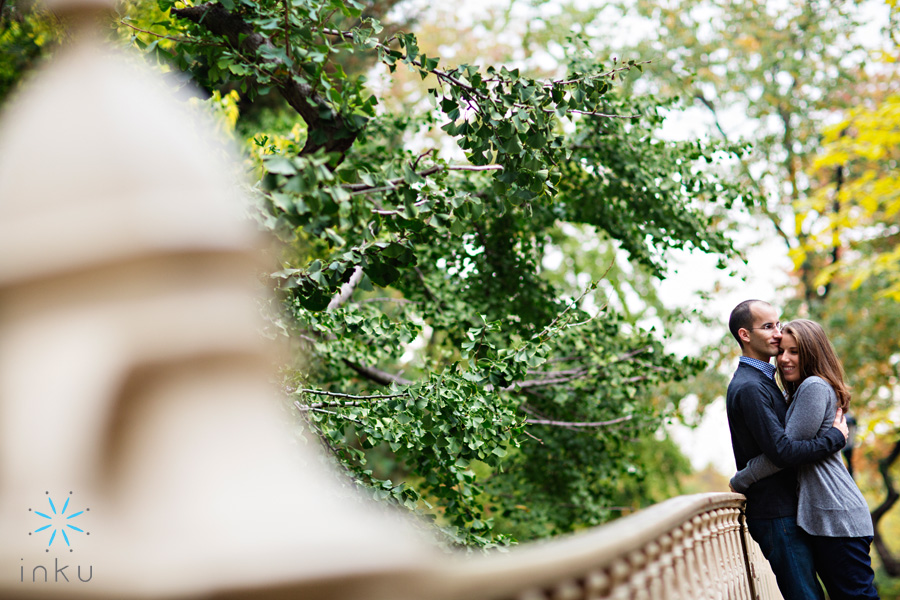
[(766, 75), (446, 368), (517, 401)]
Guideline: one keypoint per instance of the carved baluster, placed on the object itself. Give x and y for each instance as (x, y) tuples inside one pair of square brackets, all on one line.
[(596, 585), (716, 574), (567, 590), (682, 564), (694, 579), (639, 583), (708, 537), (701, 565), (732, 580), (717, 571), (654, 584), (620, 575), (720, 571), (668, 582), (701, 535), (736, 549), (735, 560), (721, 558), (708, 555)]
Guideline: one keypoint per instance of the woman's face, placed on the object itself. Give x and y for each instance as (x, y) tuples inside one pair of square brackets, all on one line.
[(789, 358)]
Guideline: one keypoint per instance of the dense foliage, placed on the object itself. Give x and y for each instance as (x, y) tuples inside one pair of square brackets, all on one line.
[(439, 358), (24, 37)]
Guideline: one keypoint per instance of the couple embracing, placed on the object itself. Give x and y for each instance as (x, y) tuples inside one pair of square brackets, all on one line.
[(803, 508)]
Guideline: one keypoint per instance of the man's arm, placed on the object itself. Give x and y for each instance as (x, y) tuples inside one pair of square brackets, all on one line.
[(768, 432), (804, 420), (757, 468)]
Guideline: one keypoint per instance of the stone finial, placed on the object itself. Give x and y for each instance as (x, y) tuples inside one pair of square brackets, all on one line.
[(134, 386)]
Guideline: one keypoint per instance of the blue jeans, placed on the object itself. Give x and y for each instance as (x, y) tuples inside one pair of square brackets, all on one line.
[(844, 565), (789, 551)]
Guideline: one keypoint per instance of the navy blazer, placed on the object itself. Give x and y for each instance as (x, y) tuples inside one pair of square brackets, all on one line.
[(756, 416)]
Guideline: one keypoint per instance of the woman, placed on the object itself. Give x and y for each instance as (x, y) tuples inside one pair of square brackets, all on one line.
[(830, 508)]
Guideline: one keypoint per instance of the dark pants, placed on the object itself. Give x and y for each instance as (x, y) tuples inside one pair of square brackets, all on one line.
[(789, 551), (844, 565)]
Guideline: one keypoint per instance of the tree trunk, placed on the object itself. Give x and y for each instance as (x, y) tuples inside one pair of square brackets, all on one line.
[(891, 562)]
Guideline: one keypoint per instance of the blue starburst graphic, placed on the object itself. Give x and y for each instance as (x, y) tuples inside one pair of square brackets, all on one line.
[(59, 525)]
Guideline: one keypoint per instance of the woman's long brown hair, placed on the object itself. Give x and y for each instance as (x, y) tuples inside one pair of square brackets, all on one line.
[(817, 357)]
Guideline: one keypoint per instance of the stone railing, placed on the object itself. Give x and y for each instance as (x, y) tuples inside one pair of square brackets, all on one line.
[(688, 547)]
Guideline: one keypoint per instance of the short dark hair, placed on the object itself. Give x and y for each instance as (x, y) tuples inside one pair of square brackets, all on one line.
[(742, 318)]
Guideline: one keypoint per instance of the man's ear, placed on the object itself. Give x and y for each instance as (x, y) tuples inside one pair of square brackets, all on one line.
[(744, 334)]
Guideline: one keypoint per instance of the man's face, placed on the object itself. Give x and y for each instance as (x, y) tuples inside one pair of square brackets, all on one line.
[(762, 340)]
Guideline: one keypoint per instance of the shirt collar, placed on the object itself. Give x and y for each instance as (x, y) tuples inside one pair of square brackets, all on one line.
[(768, 369)]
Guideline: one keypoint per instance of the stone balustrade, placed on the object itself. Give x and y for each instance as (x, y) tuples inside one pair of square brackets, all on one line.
[(687, 548)]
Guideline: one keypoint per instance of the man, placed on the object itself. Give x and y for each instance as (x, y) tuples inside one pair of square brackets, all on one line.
[(756, 415)]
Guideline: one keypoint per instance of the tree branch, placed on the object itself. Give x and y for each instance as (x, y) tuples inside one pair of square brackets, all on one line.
[(563, 359), (287, 29), (531, 383), (539, 440), (589, 113), (579, 423), (314, 109), (346, 290), (377, 375), (349, 396), (427, 291), (575, 302), (385, 299), (180, 40), (625, 67), (327, 412), (746, 169), (363, 188), (631, 354), (577, 371), (315, 405), (572, 304)]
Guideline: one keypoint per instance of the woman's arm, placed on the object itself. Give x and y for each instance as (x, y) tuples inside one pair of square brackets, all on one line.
[(812, 402)]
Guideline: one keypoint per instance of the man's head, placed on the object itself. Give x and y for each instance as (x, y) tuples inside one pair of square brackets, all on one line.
[(755, 326)]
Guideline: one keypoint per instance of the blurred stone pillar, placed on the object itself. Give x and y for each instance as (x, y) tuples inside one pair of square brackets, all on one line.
[(136, 412)]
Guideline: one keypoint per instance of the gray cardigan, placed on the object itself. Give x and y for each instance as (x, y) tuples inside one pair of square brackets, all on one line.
[(829, 503)]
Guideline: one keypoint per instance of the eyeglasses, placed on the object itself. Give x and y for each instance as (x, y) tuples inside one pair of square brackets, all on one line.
[(769, 326)]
